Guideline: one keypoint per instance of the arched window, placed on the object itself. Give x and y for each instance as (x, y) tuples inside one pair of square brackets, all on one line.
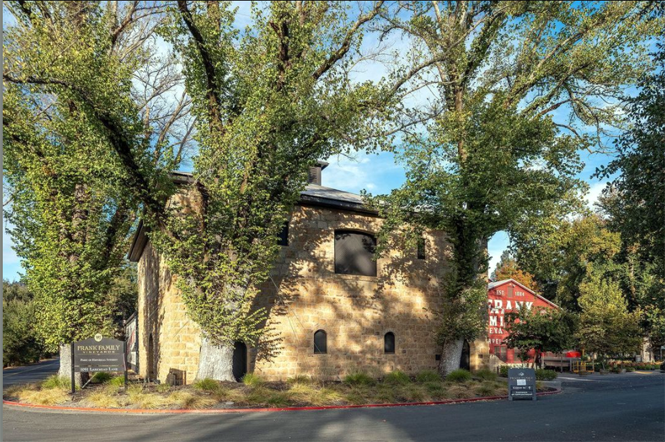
[(389, 342), (320, 342), (354, 253)]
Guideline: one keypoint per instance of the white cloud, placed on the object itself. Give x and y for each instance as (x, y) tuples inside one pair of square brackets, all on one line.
[(595, 191)]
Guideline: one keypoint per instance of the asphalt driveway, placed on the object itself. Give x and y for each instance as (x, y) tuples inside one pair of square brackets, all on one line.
[(596, 408)]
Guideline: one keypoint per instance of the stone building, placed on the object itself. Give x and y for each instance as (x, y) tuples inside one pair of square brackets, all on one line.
[(333, 309)]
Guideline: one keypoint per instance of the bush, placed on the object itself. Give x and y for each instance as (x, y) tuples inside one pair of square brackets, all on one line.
[(20, 342), (252, 380), (101, 377), (545, 375), (206, 384), (56, 381), (299, 380), (118, 381), (630, 369), (459, 376), (486, 389), (428, 376), (397, 378), (359, 378), (503, 371), (486, 375)]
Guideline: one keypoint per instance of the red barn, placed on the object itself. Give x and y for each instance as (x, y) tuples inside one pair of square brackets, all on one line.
[(504, 297)]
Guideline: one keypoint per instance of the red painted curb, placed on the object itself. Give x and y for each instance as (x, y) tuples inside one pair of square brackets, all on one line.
[(260, 410)]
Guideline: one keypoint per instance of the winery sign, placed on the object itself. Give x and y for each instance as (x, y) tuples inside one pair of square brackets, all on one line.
[(98, 354)]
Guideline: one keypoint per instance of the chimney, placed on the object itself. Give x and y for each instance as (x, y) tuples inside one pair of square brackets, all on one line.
[(315, 173)]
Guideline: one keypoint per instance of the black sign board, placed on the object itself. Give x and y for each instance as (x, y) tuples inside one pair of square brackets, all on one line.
[(521, 383), (98, 354)]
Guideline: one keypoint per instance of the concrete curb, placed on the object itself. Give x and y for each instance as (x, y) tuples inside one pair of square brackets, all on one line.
[(258, 410)]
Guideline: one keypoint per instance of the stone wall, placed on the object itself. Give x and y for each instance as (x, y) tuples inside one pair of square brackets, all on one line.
[(304, 295), (163, 320)]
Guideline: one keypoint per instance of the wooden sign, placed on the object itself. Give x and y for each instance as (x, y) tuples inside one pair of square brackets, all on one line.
[(98, 354)]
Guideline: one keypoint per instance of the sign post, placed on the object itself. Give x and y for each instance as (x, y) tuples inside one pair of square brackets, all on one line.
[(521, 383), (73, 378), (99, 354)]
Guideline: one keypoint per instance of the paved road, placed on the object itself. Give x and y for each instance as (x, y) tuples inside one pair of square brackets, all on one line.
[(607, 408), (29, 373)]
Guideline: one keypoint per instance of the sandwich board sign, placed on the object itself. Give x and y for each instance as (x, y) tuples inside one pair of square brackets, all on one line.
[(521, 383), (98, 354)]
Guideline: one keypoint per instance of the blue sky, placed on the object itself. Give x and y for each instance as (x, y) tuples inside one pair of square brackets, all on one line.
[(377, 173)]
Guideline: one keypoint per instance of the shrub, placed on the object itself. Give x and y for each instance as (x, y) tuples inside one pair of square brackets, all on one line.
[(397, 378), (359, 378), (428, 376), (459, 376), (118, 381), (299, 380), (486, 375), (20, 341), (101, 377), (252, 380), (630, 369), (503, 371), (56, 381), (183, 399), (545, 375), (51, 396), (485, 389), (206, 384), (435, 388)]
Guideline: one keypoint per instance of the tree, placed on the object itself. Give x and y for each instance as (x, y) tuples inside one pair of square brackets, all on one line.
[(507, 268), (74, 73), (637, 209), (541, 329), (20, 342), (559, 253), (270, 101), (606, 327), (490, 155)]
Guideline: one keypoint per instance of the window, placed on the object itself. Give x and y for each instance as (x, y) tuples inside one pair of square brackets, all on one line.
[(389, 342), (320, 342), (501, 352), (354, 253), (421, 248), (283, 238)]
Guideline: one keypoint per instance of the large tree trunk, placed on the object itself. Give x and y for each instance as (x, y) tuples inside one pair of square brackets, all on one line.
[(451, 356), (65, 369), (215, 362)]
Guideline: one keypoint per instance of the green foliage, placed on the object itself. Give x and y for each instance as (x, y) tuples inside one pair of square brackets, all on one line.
[(102, 377), (503, 371), (606, 327), (20, 342), (493, 157), (545, 375), (397, 378), (299, 380), (55, 381), (485, 375), (359, 378), (269, 103), (428, 376), (252, 380), (639, 167), (206, 384), (542, 329), (117, 381), (72, 125), (459, 376)]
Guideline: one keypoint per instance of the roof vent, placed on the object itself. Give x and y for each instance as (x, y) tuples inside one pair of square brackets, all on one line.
[(315, 173)]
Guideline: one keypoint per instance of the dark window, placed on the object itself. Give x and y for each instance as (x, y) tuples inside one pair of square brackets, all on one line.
[(354, 253), (284, 235), (501, 352), (421, 248), (389, 342), (320, 342)]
